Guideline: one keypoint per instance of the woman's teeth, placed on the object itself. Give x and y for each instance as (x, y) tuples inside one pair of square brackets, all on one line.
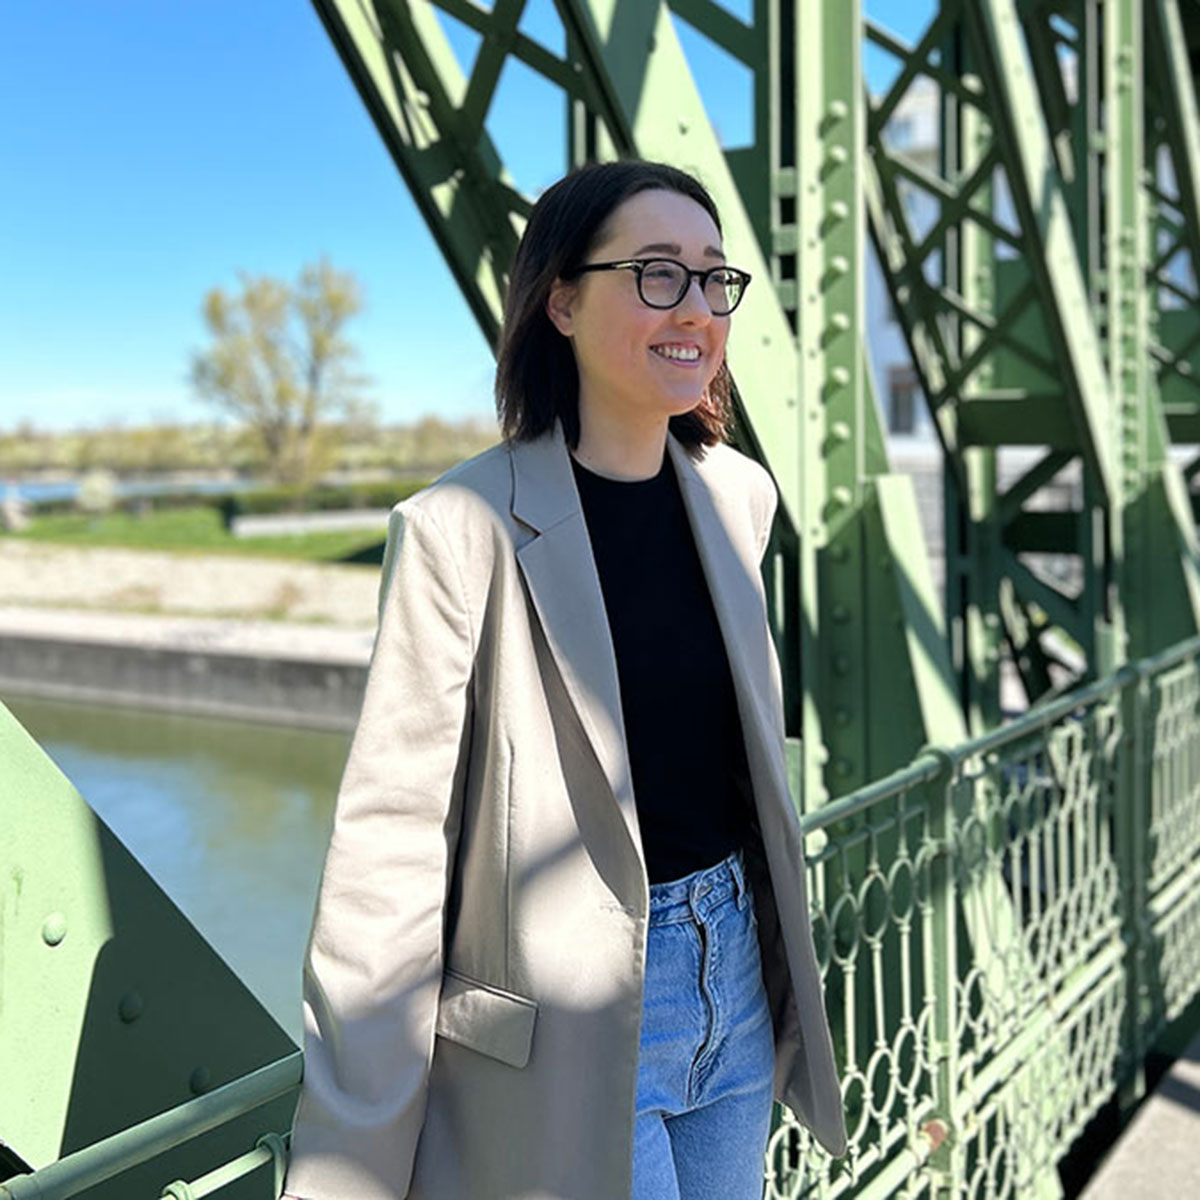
[(680, 353)]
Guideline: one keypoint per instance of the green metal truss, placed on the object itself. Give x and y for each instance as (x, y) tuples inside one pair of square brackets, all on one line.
[(860, 631), (1035, 304)]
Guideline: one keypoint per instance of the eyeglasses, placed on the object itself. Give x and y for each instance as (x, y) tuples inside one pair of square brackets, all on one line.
[(663, 282)]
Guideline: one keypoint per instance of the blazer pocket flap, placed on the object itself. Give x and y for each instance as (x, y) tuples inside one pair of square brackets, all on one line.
[(486, 1019)]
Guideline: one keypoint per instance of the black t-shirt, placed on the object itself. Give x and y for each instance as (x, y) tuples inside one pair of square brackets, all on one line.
[(686, 750)]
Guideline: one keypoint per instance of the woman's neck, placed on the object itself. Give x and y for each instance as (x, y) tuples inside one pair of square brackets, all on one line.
[(618, 450)]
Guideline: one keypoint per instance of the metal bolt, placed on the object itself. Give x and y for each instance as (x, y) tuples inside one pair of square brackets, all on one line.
[(838, 110), (840, 321), (54, 929), (130, 1008), (200, 1081), (839, 265), (844, 767), (841, 716), (840, 613), (839, 430), (840, 376), (841, 664), (838, 155), (839, 210), (840, 497)]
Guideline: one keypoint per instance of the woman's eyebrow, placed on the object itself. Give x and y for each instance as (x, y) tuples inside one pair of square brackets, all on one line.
[(674, 248)]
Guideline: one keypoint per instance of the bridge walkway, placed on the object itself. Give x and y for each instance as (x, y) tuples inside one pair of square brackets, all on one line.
[(1158, 1155)]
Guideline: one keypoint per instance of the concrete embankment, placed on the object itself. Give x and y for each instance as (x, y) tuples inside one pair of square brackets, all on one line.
[(248, 638), (245, 670)]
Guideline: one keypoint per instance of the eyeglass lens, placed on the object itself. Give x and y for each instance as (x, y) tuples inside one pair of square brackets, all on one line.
[(663, 285)]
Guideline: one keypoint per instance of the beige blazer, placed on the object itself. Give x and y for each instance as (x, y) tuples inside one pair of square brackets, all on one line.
[(473, 984)]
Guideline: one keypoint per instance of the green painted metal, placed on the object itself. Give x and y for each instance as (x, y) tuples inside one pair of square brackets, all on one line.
[(113, 1007), (978, 1074), (1026, 310)]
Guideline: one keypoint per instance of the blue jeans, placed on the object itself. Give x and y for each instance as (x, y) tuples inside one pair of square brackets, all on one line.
[(707, 1055)]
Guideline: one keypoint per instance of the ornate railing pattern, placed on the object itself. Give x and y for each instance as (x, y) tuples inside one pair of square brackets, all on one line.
[(1004, 929)]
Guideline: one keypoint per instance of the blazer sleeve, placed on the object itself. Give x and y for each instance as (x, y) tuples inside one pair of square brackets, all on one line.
[(373, 969), (767, 502)]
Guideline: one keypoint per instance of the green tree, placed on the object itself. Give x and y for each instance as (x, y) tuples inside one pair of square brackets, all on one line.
[(280, 362)]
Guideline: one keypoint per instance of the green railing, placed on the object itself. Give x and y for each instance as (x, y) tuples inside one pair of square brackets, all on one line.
[(97, 1168), (1005, 928)]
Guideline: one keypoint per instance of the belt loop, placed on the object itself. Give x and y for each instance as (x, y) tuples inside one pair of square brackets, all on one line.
[(739, 876)]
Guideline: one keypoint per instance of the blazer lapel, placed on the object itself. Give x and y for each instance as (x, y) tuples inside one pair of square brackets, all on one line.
[(564, 585), (732, 572)]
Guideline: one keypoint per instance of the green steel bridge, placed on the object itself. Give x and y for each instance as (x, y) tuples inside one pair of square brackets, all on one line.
[(1006, 907)]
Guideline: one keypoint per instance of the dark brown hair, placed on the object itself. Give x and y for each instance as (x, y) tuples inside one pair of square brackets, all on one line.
[(536, 377)]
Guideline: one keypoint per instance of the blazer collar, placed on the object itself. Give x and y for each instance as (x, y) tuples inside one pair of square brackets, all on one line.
[(564, 585)]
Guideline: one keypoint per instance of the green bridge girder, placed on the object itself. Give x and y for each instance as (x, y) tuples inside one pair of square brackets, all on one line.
[(1044, 297)]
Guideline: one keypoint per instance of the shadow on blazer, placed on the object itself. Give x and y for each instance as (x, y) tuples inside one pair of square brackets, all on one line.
[(473, 982)]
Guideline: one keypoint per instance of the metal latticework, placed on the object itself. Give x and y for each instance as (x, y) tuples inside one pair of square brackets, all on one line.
[(1005, 929), (1043, 269)]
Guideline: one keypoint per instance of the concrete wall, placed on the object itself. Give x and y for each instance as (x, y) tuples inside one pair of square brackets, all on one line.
[(276, 690)]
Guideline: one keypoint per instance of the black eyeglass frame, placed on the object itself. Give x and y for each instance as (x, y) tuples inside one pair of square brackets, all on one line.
[(639, 265)]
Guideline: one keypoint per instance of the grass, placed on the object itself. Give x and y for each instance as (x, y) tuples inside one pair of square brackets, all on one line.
[(201, 530)]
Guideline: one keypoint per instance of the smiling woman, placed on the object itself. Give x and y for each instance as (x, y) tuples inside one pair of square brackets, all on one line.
[(562, 946)]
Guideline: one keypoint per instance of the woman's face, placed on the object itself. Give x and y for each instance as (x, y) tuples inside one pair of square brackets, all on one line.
[(638, 365)]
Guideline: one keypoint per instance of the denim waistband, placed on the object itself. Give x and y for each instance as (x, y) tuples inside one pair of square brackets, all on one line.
[(697, 894)]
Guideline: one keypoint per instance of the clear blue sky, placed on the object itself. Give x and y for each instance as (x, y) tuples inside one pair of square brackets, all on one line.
[(150, 149)]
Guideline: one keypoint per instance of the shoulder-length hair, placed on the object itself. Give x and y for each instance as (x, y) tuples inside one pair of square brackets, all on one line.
[(537, 381)]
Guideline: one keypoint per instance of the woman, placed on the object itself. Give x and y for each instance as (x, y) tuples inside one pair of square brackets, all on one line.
[(562, 946)]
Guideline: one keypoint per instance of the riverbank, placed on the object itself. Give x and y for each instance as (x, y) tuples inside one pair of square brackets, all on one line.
[(263, 640)]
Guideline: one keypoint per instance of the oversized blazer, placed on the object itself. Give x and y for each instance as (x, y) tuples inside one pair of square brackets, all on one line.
[(473, 983)]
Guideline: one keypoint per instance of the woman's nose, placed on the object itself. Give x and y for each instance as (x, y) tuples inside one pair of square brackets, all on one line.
[(694, 307)]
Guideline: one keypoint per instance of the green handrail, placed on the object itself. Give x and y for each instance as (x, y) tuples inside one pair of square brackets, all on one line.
[(109, 1157)]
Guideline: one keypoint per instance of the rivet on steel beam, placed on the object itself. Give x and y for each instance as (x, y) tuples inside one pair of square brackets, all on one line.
[(200, 1081), (844, 767), (131, 1007), (839, 554), (840, 321), (839, 210), (54, 929), (839, 430), (838, 266), (841, 716), (841, 497), (838, 110), (840, 376), (838, 155), (840, 613), (683, 127)]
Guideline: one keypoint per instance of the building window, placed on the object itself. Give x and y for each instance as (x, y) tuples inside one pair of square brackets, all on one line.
[(903, 390)]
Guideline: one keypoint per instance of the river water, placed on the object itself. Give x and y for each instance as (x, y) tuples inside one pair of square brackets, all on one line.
[(230, 819)]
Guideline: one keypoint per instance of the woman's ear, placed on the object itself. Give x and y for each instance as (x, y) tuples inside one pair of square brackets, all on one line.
[(560, 306)]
